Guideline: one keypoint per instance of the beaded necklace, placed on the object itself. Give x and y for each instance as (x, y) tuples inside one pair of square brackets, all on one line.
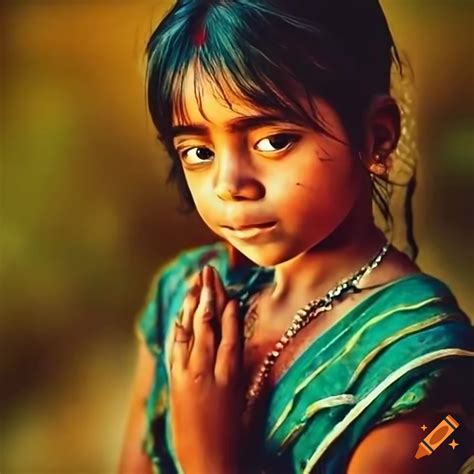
[(302, 318)]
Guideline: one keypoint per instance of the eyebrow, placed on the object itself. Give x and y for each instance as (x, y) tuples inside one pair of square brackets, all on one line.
[(240, 124)]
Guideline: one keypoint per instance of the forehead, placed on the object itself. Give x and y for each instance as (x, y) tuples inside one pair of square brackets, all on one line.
[(203, 101)]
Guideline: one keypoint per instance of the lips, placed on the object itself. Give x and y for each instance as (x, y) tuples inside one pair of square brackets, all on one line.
[(253, 225), (256, 232)]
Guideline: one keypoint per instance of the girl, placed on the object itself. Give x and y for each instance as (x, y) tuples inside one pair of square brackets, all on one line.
[(302, 341)]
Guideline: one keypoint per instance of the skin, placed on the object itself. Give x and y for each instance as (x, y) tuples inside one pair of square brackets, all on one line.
[(209, 368), (318, 192)]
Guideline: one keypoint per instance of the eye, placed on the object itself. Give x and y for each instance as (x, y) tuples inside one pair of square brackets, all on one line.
[(278, 142), (195, 155)]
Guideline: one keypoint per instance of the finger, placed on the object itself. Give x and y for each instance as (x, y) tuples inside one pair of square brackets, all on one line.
[(180, 348), (191, 302), (221, 297), (202, 357), (185, 318), (229, 353)]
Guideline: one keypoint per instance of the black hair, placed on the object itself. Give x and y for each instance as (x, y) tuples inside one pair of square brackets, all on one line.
[(338, 50)]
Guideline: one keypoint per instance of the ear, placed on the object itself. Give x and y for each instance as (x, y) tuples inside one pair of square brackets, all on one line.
[(382, 132)]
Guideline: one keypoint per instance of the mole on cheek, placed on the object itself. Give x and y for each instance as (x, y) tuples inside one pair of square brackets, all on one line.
[(305, 186)]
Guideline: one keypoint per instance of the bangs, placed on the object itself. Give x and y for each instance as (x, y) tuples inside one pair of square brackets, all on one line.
[(235, 59), (235, 88)]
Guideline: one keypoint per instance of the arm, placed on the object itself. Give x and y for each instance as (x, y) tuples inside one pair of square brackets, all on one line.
[(390, 448), (133, 459)]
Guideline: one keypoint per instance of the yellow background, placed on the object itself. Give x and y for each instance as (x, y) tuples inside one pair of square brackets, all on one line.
[(86, 218)]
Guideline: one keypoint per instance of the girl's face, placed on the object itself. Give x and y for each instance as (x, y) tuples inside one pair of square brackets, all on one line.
[(271, 187)]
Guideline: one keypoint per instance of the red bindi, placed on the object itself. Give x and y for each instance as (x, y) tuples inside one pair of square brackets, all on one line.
[(199, 36)]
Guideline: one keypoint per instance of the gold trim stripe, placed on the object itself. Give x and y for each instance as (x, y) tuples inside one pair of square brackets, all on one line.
[(314, 407), (394, 338), (336, 400), (347, 348), (365, 402)]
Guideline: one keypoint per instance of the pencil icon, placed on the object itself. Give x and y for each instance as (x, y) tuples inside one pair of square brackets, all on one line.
[(436, 437)]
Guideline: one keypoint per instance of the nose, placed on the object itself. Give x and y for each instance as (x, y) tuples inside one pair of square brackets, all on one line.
[(236, 180)]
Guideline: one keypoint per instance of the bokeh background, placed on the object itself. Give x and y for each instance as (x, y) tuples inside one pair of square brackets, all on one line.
[(86, 218)]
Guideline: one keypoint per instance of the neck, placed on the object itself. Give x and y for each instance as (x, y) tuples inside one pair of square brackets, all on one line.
[(354, 243)]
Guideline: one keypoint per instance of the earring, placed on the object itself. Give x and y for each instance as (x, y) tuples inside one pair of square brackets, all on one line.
[(379, 168)]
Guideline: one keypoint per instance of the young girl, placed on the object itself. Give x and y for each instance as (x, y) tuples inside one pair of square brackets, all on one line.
[(303, 340)]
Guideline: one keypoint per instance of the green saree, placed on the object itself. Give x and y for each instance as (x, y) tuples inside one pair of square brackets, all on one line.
[(383, 359)]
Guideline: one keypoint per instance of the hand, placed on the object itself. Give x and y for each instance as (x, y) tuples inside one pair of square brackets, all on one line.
[(206, 393)]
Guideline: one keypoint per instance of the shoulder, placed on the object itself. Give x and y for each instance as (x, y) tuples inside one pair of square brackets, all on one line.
[(407, 290), (416, 349), (420, 357), (412, 326), (169, 286), (394, 266), (398, 284)]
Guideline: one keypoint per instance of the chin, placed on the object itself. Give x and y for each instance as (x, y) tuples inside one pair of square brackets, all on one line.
[(267, 255)]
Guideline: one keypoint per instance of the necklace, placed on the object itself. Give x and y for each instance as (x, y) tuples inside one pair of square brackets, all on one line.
[(302, 318)]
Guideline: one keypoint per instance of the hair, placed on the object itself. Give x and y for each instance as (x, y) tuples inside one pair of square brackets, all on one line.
[(265, 52)]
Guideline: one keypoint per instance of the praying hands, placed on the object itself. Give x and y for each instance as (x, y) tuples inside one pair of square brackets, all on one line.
[(206, 390)]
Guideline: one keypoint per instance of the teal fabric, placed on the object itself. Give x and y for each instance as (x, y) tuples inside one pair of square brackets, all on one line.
[(381, 360)]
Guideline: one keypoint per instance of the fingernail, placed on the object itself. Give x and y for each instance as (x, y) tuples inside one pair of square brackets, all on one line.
[(208, 276)]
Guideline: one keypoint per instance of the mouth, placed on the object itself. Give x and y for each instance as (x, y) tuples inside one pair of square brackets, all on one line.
[(250, 231), (261, 225)]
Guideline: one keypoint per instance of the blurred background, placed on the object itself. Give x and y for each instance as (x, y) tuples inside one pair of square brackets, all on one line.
[(86, 218)]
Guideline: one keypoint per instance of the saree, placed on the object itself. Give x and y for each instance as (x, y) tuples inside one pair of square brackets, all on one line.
[(384, 358)]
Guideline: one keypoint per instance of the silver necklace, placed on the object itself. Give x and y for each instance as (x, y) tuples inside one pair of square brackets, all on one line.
[(303, 317)]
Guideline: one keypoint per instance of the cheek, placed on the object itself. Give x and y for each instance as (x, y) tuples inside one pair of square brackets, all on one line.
[(196, 188), (204, 198), (317, 190)]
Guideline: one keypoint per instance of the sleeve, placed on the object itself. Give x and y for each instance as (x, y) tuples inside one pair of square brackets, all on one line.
[(165, 295), (148, 329), (430, 368), (168, 290), (448, 383), (146, 324)]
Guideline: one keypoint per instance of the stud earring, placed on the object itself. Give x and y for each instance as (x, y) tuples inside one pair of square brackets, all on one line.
[(378, 168)]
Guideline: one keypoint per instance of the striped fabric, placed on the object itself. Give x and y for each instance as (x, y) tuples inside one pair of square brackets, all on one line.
[(384, 358)]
